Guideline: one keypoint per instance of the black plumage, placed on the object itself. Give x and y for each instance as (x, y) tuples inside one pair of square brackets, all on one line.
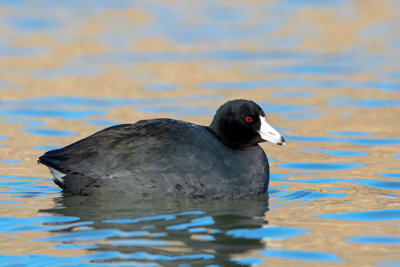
[(169, 157)]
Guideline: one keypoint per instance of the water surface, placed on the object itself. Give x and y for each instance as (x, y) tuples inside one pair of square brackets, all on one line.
[(325, 72)]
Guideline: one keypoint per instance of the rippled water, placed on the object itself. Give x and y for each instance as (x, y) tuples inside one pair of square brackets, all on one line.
[(326, 73)]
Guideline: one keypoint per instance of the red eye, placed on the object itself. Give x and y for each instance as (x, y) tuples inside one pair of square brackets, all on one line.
[(249, 119)]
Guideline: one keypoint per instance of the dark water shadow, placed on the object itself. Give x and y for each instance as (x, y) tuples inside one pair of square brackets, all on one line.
[(166, 231)]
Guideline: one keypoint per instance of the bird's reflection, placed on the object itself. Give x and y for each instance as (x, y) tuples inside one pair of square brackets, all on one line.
[(162, 229)]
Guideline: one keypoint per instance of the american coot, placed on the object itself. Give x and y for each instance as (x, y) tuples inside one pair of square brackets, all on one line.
[(171, 157)]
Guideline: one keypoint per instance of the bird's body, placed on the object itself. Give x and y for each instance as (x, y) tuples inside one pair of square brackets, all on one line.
[(160, 157), (192, 169)]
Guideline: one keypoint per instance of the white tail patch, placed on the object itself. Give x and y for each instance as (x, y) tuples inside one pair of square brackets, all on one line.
[(57, 174)]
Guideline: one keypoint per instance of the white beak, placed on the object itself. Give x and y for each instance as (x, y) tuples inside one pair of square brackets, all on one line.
[(270, 134)]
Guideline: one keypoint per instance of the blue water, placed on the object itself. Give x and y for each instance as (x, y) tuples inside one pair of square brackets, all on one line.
[(345, 101), (300, 255), (294, 178), (270, 232), (49, 132), (145, 236), (389, 263), (292, 255), (390, 175), (13, 161), (349, 133), (317, 166), (355, 141), (46, 147), (301, 196), (384, 240), (71, 108), (180, 111), (373, 215), (102, 122), (336, 153), (330, 85)]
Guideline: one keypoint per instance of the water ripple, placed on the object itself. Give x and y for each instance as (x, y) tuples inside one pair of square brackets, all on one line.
[(268, 232), (390, 175), (39, 223), (92, 235), (389, 185), (306, 195), (374, 215), (164, 217), (26, 187), (355, 141), (248, 261), (316, 166), (384, 240), (336, 153), (301, 255), (203, 221), (49, 132)]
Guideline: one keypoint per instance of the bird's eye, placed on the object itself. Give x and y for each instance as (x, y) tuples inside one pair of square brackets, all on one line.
[(249, 119)]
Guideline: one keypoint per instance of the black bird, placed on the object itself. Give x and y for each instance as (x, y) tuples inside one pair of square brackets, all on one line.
[(166, 157)]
